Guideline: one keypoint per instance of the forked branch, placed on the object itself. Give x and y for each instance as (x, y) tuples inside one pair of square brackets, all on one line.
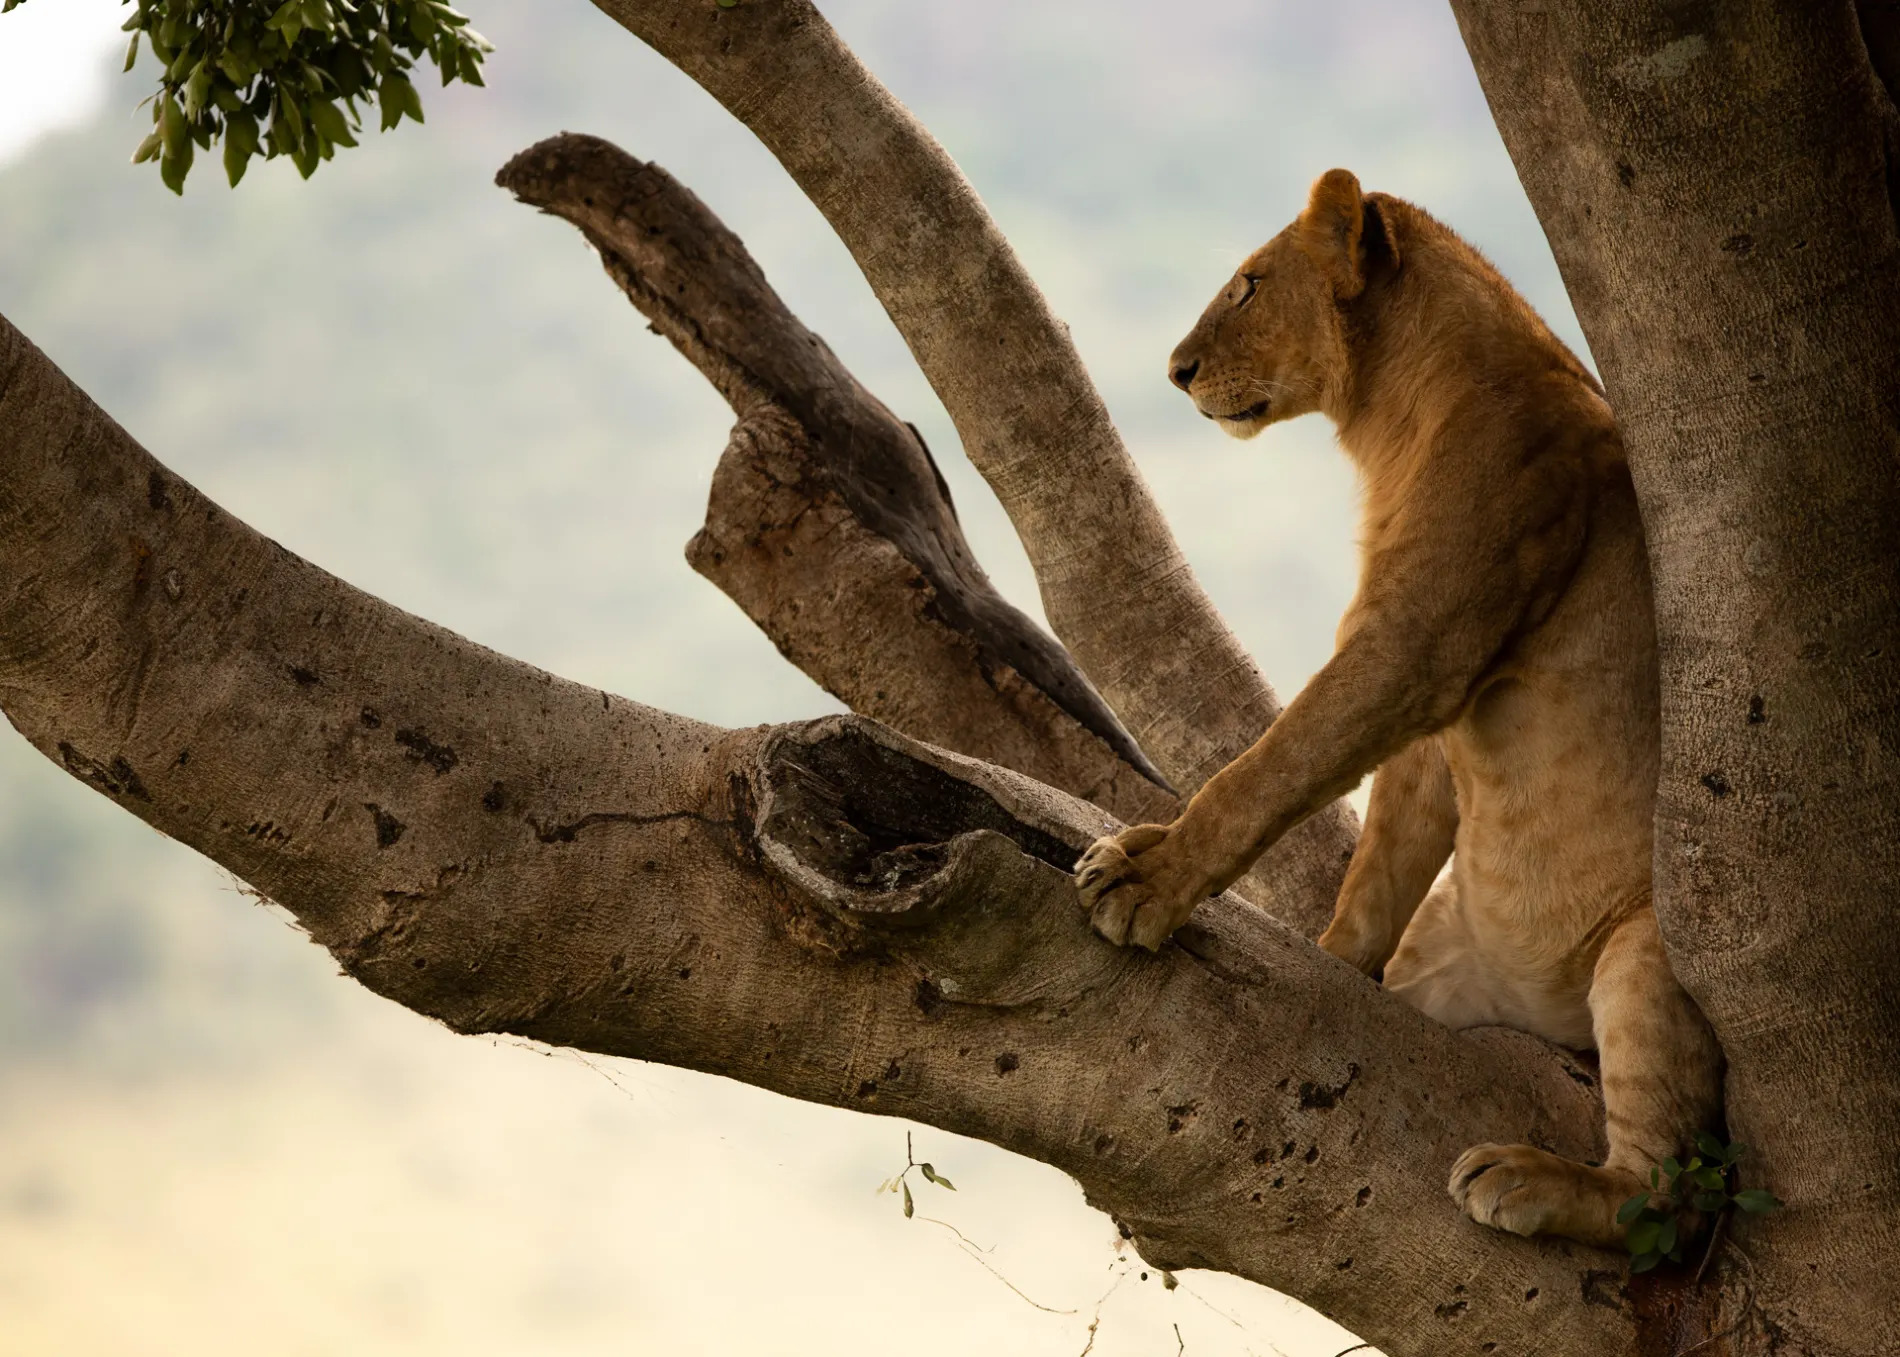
[(1114, 583)]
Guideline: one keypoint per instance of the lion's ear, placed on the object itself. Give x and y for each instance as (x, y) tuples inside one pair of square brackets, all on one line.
[(1335, 227), (1378, 247)]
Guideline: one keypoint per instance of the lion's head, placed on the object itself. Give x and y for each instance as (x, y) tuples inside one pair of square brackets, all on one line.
[(1272, 343)]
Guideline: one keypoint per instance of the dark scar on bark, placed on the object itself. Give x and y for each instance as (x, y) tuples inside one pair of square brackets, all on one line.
[(388, 827), (116, 777), (1325, 1097), (424, 750)]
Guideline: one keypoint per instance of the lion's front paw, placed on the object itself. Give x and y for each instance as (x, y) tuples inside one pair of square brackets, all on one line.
[(1136, 889), (1529, 1191)]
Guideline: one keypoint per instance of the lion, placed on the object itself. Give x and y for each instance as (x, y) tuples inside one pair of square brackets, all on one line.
[(1497, 667)]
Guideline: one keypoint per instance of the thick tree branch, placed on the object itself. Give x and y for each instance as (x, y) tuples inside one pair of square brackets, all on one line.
[(824, 910), (1114, 584), (1719, 185)]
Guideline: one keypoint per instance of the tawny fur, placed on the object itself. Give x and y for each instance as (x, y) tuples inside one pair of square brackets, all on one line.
[(1497, 667)]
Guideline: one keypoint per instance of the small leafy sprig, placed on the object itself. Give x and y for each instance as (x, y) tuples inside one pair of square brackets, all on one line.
[(285, 78), (898, 1184), (1654, 1230)]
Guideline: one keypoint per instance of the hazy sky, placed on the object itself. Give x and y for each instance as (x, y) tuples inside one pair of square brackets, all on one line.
[(52, 65)]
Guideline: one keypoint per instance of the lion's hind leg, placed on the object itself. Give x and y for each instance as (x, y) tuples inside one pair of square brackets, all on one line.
[(1661, 1084), (1410, 824), (1662, 1068)]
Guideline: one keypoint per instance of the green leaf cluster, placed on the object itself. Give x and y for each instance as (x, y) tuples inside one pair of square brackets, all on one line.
[(1654, 1231), (286, 79)]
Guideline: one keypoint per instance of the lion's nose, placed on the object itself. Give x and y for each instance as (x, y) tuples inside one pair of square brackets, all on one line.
[(1183, 374)]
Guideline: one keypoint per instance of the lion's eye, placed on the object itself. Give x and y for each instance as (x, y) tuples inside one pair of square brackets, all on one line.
[(1250, 282)]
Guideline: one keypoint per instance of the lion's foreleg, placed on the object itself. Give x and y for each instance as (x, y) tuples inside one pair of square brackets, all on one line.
[(1436, 605)]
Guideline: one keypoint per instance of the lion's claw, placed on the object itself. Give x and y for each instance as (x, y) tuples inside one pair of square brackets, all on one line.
[(1102, 857)]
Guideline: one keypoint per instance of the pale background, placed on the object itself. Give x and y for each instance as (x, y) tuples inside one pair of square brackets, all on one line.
[(211, 1144)]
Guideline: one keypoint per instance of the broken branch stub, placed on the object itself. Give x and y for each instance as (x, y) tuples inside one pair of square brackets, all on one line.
[(828, 521), (1114, 583), (975, 891)]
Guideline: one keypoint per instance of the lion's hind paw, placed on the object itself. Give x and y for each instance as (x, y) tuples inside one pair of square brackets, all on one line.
[(1529, 1191)]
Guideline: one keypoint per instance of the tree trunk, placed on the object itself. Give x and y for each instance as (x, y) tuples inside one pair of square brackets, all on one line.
[(1720, 186)]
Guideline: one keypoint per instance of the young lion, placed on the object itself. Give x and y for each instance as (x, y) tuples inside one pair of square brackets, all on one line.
[(1497, 666)]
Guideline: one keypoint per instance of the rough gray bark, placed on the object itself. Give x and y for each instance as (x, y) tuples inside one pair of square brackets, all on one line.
[(1719, 184), (508, 852), (1114, 584)]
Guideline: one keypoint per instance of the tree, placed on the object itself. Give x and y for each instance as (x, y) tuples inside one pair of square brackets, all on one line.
[(507, 852)]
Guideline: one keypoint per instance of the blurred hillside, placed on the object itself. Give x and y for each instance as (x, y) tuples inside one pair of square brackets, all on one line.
[(434, 393)]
